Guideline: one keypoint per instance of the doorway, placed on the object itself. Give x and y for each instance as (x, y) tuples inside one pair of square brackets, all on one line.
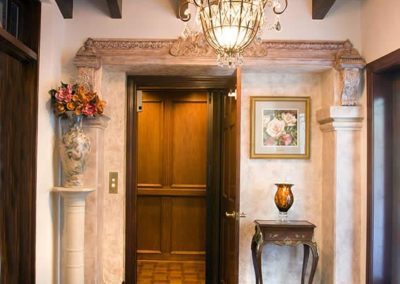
[(383, 243), (175, 174)]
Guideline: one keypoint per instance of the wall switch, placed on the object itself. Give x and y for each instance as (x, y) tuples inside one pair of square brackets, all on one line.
[(113, 182)]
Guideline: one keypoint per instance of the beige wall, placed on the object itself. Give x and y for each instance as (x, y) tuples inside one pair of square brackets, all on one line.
[(380, 28), (156, 19), (52, 38)]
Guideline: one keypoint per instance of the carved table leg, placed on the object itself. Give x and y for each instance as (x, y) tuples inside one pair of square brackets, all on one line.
[(305, 262), (256, 249), (315, 255)]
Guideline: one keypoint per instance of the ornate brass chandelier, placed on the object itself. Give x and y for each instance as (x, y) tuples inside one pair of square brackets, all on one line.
[(229, 26)]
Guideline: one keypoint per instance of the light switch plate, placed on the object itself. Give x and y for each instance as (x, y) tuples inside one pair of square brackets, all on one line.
[(113, 182)]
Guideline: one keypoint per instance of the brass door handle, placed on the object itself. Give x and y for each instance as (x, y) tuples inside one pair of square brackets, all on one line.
[(236, 215), (230, 215)]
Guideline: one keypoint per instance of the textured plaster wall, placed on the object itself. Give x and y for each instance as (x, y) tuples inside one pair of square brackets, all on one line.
[(114, 92), (283, 264)]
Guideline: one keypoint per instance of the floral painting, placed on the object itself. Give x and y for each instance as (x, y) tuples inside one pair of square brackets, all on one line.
[(280, 127)]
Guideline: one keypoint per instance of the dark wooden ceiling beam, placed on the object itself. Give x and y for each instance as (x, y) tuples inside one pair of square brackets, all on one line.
[(115, 7), (320, 8), (66, 7)]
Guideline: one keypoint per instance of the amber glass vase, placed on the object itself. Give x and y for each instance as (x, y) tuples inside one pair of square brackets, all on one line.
[(283, 199)]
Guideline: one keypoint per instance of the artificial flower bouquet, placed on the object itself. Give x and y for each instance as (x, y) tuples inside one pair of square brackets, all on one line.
[(77, 99)]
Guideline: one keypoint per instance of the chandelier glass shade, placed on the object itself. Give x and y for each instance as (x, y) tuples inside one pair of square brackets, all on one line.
[(229, 26)]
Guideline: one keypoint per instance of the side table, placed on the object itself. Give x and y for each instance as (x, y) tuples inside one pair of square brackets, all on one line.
[(289, 233)]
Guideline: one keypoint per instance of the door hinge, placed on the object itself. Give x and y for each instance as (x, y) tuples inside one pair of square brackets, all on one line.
[(139, 101)]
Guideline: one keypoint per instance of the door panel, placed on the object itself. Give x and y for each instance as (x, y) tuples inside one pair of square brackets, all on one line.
[(150, 137), (230, 177), (189, 141), (188, 223), (149, 224), (172, 161)]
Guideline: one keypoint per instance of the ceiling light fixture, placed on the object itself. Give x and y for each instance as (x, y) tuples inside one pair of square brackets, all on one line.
[(229, 26)]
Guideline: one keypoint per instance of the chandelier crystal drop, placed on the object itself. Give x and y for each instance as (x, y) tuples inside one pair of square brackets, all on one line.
[(229, 26)]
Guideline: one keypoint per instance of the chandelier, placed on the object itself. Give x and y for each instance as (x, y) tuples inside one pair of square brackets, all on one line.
[(229, 26)]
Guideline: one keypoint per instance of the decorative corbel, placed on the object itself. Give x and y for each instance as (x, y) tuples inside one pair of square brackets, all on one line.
[(350, 66), (88, 63)]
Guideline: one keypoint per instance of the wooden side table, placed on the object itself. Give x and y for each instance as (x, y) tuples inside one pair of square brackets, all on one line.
[(290, 233)]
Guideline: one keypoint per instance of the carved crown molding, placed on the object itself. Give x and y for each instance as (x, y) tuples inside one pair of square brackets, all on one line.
[(337, 54), (194, 50)]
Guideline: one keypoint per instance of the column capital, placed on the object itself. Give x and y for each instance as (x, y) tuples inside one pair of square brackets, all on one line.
[(100, 121), (73, 192), (335, 118)]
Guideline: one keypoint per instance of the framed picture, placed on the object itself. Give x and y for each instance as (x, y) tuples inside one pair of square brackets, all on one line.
[(280, 127)]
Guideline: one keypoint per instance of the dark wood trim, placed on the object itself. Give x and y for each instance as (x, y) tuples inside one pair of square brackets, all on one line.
[(238, 81), (185, 83), (12, 46), (320, 8), (115, 7), (18, 146), (66, 8), (379, 86), (213, 183), (386, 63), (131, 182), (216, 86)]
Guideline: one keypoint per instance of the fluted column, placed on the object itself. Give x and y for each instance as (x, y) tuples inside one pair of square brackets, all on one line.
[(341, 215), (73, 234)]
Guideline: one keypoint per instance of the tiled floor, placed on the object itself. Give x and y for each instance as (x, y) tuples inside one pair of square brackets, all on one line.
[(171, 272)]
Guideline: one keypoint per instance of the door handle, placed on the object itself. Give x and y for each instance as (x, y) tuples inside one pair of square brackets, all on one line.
[(236, 215), (231, 215)]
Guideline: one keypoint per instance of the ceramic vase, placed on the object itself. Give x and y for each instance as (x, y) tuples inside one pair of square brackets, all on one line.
[(284, 199), (74, 149)]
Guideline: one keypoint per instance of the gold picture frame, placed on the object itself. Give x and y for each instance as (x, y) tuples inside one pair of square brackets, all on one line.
[(280, 127)]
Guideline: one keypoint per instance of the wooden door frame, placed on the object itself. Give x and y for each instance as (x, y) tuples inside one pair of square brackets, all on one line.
[(378, 77), (135, 83)]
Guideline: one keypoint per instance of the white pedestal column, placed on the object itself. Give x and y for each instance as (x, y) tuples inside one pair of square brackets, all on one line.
[(73, 232), (341, 214)]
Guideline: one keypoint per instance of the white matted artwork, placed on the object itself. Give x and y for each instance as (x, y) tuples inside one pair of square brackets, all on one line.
[(280, 127)]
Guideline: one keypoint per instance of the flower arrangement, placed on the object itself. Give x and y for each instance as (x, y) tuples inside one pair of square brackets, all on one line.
[(280, 127), (77, 99)]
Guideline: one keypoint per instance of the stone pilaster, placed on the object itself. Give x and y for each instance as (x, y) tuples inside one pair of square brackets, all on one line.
[(94, 177), (341, 213)]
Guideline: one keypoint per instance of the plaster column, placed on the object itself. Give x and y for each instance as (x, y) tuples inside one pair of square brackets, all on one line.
[(341, 205), (94, 177), (72, 237)]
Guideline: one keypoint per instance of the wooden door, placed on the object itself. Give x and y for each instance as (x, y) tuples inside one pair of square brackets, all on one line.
[(229, 215), (171, 177)]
